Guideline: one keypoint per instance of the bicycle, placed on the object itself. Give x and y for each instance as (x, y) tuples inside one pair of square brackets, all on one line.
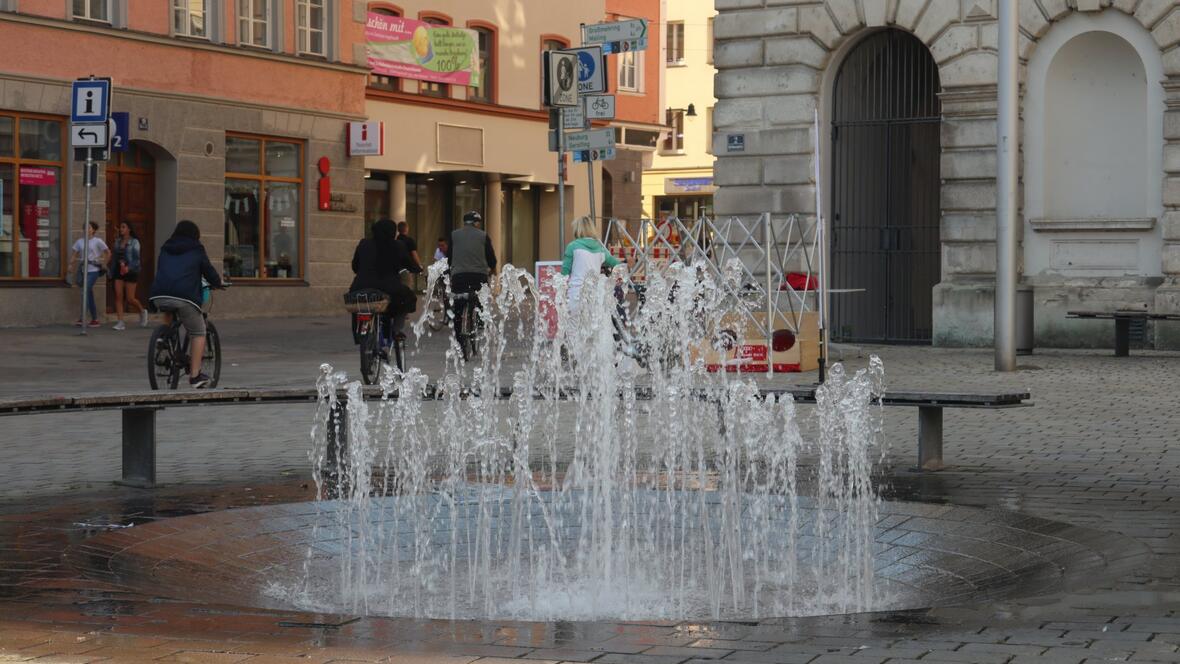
[(466, 325), (436, 308), (168, 353), (369, 331)]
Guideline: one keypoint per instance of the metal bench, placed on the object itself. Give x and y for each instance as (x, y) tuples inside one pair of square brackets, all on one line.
[(139, 414), (1122, 324)]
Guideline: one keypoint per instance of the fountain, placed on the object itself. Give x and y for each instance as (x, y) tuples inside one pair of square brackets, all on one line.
[(596, 490)]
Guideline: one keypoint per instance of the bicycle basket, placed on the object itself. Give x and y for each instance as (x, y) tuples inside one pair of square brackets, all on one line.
[(366, 302)]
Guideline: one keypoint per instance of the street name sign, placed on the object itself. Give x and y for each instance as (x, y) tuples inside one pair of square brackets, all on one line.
[(617, 36), (595, 139)]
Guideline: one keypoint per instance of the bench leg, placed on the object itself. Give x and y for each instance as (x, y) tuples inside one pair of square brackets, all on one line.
[(139, 447), (1122, 337), (930, 438)]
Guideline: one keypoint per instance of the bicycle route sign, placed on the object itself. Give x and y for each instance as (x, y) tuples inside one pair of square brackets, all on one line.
[(599, 107), (617, 36)]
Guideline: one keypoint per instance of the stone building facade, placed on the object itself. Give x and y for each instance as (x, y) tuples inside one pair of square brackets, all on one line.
[(1100, 104)]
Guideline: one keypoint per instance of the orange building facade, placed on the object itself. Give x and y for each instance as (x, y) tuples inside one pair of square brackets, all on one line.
[(233, 107)]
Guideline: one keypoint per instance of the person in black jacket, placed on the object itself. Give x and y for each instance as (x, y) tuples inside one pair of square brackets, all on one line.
[(378, 263), (176, 290)]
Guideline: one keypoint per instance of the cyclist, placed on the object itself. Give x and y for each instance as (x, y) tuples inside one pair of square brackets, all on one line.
[(176, 290), (378, 264), (471, 258)]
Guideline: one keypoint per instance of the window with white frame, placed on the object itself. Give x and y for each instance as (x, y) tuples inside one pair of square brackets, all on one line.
[(674, 140), (189, 18), (254, 22), (630, 68), (93, 10), (675, 43), (310, 21)]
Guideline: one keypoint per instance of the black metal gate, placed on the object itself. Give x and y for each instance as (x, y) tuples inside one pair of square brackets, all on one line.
[(885, 191)]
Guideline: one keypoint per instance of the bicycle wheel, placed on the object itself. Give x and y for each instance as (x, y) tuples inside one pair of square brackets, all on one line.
[(467, 331), (436, 315), (370, 355), (163, 369), (211, 361)]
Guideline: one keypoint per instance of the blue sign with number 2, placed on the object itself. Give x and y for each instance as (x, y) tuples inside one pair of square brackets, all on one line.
[(121, 137)]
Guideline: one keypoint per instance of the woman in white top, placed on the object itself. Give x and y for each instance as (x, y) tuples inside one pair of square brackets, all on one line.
[(583, 257), (97, 255)]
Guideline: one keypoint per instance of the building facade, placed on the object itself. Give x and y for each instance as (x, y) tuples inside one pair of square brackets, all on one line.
[(906, 98), (636, 80), (237, 109), (679, 180), (452, 148)]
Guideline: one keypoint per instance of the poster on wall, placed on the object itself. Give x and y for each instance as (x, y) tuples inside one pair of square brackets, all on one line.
[(409, 48), (35, 176)]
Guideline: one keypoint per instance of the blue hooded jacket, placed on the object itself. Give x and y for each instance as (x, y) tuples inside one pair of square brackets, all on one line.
[(182, 263)]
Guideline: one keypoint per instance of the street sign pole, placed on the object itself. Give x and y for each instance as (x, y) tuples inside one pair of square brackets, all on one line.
[(560, 183), (85, 257), (590, 190)]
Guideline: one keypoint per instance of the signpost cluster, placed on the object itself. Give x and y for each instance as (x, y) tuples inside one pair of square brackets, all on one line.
[(575, 85), (94, 133)]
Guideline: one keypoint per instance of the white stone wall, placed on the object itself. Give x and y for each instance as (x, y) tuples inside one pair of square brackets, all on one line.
[(776, 62)]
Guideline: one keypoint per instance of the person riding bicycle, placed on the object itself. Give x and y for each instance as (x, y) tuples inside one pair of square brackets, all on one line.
[(583, 257), (176, 290), (471, 259), (378, 264)]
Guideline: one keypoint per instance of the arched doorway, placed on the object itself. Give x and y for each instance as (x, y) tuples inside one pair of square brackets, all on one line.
[(131, 197), (885, 191)]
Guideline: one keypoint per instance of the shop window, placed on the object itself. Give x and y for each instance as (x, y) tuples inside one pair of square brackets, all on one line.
[(31, 197), (431, 88), (487, 66), (254, 21), (674, 140), (93, 10), (380, 81), (189, 18), (310, 27), (675, 43), (263, 208)]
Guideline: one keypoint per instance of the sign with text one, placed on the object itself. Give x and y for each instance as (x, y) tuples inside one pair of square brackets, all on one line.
[(366, 139), (561, 78), (408, 48), (591, 69)]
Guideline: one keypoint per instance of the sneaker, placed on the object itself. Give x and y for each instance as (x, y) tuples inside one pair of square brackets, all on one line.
[(143, 318), (94, 323), (119, 326), (200, 381)]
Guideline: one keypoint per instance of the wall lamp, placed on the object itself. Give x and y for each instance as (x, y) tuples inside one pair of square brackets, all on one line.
[(690, 112)]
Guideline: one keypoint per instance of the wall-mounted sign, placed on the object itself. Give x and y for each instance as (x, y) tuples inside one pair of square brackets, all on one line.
[(408, 48), (366, 139), (38, 176), (735, 143), (689, 186)]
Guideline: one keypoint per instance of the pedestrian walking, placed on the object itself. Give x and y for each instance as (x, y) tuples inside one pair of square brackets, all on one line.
[(125, 274), (86, 264), (440, 251)]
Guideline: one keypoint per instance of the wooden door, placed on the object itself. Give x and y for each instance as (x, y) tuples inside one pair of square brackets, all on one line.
[(131, 197)]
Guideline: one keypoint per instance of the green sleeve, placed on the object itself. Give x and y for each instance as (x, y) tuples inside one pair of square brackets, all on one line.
[(610, 261), (567, 260)]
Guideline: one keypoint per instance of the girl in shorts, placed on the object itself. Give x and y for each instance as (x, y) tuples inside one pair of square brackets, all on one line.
[(125, 265)]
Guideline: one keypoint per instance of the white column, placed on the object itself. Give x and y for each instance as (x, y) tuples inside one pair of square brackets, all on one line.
[(397, 198), (494, 215)]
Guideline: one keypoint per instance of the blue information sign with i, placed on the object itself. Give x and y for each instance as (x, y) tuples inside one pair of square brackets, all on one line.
[(90, 100)]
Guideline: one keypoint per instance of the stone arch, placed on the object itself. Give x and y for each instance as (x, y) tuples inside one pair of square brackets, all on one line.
[(1131, 70)]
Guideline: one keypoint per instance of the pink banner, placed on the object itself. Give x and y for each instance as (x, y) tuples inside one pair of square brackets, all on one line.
[(408, 48), (38, 176)]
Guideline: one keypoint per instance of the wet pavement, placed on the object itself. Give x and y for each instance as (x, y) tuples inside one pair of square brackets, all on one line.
[(1097, 450)]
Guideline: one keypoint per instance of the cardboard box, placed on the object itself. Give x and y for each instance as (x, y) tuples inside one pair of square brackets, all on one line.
[(751, 353)]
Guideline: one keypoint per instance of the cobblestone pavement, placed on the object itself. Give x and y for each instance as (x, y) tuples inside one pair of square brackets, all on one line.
[(1098, 449)]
